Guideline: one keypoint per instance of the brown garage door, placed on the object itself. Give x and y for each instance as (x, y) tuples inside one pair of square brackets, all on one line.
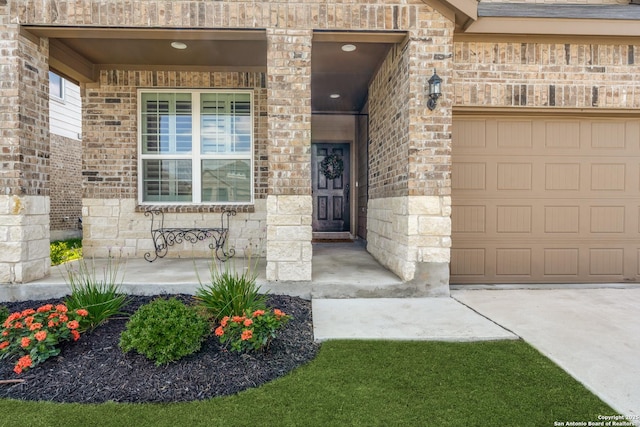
[(545, 200)]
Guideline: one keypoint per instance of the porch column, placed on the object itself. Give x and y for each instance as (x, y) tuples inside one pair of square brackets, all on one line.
[(289, 207), (409, 208), (24, 154)]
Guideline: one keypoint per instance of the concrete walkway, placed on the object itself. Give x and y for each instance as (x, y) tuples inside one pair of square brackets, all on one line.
[(593, 334), (441, 319)]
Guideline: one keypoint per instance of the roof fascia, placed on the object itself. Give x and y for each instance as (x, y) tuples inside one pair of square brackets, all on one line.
[(555, 26)]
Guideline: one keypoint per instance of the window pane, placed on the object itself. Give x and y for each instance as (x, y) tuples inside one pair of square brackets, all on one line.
[(167, 180), (167, 123), (226, 181), (226, 123), (56, 87)]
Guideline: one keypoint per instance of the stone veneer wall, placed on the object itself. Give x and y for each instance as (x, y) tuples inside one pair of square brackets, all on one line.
[(116, 226), (542, 74), (112, 219), (24, 154), (66, 187), (408, 225)]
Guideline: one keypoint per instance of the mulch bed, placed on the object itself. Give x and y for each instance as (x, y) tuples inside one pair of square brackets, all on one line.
[(95, 370)]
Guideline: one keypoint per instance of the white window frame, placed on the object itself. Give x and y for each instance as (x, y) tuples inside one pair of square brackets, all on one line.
[(196, 155), (63, 91)]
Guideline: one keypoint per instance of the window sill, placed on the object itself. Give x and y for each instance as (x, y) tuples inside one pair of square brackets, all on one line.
[(248, 208)]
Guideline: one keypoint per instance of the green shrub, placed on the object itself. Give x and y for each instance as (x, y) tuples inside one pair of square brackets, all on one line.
[(164, 331), (101, 297), (65, 250)]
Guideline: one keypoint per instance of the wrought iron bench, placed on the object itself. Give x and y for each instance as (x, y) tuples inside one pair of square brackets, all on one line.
[(163, 237)]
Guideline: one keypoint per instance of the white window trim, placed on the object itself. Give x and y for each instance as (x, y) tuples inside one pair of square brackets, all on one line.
[(63, 90), (196, 170)]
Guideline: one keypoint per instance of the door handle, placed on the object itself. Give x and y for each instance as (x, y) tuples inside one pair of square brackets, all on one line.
[(346, 189)]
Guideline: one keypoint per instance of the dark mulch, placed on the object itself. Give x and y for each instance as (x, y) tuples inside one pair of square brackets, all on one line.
[(95, 370)]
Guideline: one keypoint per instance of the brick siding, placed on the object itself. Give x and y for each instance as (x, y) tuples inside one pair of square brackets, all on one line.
[(110, 131), (304, 14), (584, 75)]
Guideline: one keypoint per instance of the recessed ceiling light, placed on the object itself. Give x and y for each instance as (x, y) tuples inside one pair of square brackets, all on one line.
[(178, 45), (348, 47), (334, 96)]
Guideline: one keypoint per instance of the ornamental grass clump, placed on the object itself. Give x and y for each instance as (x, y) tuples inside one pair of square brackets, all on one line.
[(164, 331), (252, 332), (32, 336), (229, 292), (100, 297)]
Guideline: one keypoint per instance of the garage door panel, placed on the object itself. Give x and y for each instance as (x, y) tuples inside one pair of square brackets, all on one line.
[(471, 133), (469, 219), (562, 134), (561, 262), (562, 176), (514, 134), (496, 262), (562, 219), (608, 177), (608, 135), (513, 219), (469, 262), (606, 262), (607, 219), (560, 137), (513, 262), (560, 205), (468, 176), (514, 176)]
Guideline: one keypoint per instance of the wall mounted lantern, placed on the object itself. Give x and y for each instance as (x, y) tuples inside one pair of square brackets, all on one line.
[(435, 90)]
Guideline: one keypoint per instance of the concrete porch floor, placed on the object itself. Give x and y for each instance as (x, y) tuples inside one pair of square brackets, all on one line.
[(340, 270), (347, 285)]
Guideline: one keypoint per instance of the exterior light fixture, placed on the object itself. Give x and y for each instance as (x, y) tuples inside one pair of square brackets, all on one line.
[(348, 47), (334, 96), (178, 45), (435, 90)]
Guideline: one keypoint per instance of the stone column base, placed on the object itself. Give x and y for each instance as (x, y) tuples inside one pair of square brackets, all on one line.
[(289, 250), (24, 238)]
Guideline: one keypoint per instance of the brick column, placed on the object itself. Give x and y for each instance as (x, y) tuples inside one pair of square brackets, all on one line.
[(409, 208), (24, 155), (289, 207)]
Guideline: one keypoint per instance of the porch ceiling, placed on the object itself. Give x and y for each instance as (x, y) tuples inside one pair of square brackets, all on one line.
[(79, 53)]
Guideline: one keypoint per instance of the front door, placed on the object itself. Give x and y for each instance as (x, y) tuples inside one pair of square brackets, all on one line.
[(330, 186)]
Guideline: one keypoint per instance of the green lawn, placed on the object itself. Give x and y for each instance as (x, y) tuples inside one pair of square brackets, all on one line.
[(367, 383)]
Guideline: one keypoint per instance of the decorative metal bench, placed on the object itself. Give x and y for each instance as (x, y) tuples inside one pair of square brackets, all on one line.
[(163, 237)]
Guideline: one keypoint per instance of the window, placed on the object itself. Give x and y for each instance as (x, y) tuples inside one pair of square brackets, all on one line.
[(196, 147), (56, 86)]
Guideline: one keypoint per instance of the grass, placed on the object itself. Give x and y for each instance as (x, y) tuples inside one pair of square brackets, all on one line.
[(368, 383)]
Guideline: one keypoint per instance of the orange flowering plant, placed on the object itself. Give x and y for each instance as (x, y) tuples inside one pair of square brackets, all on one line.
[(33, 335), (251, 332)]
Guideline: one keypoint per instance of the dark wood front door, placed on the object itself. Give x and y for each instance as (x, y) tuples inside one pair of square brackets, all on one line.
[(330, 189)]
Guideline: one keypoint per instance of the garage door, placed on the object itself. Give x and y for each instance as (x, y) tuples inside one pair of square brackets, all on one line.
[(545, 200)]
